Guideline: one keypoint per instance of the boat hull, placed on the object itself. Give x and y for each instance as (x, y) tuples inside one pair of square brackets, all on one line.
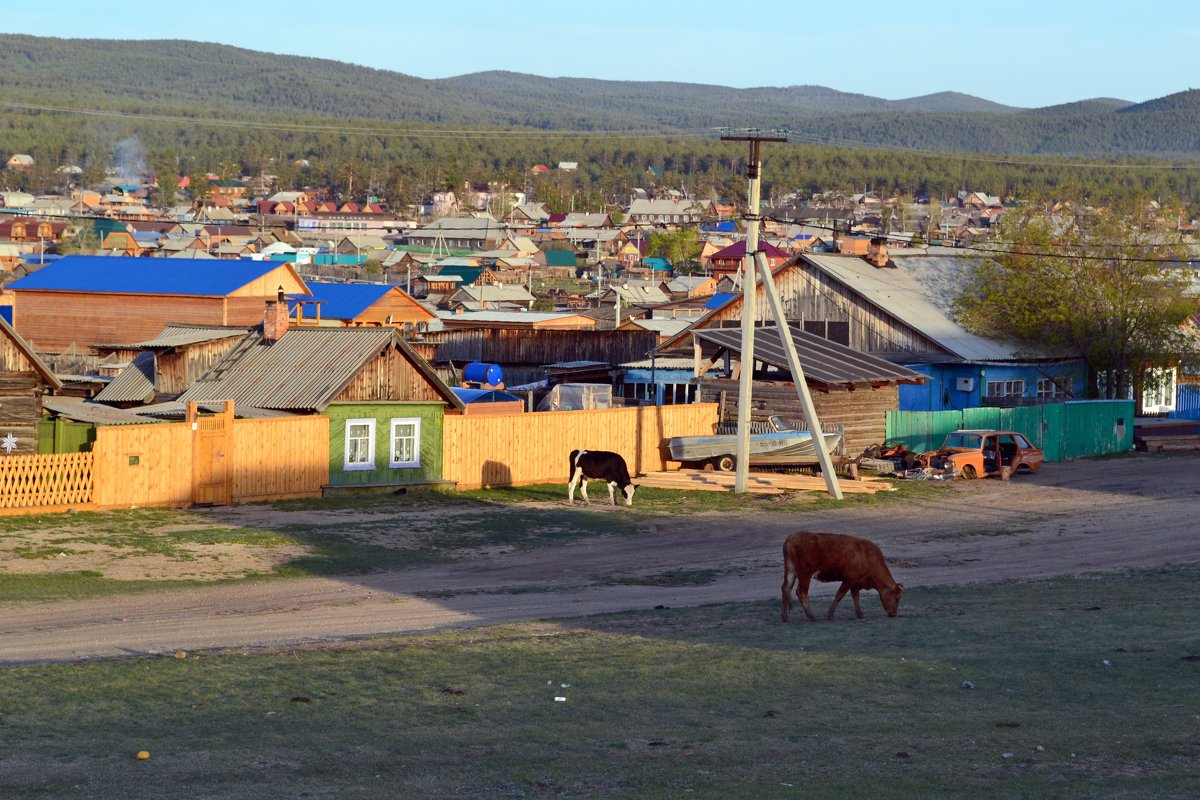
[(781, 448)]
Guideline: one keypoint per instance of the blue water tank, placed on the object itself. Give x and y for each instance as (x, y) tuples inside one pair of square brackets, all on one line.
[(479, 372)]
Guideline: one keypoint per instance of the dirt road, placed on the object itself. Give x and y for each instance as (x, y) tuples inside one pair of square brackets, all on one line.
[(1085, 516)]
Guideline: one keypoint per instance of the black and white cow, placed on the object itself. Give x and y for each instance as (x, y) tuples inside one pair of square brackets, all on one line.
[(599, 465)]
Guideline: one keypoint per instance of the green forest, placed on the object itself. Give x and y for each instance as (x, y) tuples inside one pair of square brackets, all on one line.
[(156, 106)]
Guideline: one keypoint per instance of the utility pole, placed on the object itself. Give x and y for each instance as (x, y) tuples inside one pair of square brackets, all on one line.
[(754, 256)]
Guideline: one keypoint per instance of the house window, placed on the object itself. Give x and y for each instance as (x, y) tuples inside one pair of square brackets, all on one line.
[(1158, 394), (360, 444), (1052, 389), (1006, 389), (406, 443)]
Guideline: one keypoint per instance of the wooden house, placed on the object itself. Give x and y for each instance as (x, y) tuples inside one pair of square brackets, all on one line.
[(898, 306), (728, 261), (84, 300), (164, 367), (358, 305), (524, 354), (22, 229), (384, 402), (24, 380)]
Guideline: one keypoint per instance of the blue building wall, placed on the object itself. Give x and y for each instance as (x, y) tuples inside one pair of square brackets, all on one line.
[(942, 393)]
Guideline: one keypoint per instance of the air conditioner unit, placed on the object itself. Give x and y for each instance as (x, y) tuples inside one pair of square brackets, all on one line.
[(965, 384)]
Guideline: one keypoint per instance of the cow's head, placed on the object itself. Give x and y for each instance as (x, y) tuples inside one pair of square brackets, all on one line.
[(891, 599), (628, 490)]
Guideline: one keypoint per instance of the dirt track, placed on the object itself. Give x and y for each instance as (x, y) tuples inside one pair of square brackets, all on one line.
[(1085, 516)]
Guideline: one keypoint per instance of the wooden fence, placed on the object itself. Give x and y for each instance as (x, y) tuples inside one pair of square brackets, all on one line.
[(518, 449), (268, 459), (42, 482), (279, 459), (288, 457)]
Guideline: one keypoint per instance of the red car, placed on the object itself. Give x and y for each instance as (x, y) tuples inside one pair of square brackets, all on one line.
[(979, 453)]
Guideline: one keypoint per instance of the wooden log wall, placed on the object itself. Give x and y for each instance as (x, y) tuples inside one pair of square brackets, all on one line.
[(520, 449), (20, 410), (541, 347), (862, 413)]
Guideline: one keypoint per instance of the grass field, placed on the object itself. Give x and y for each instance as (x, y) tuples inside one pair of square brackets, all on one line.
[(457, 523), (1080, 687)]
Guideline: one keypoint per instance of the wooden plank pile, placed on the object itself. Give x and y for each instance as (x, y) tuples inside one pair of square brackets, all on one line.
[(756, 482)]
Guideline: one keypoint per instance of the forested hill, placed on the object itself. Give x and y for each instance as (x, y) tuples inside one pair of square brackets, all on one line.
[(197, 78)]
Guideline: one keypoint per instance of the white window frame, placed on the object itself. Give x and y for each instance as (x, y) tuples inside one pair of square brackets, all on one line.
[(370, 461), (1006, 388), (1049, 388), (416, 436), (1158, 397)]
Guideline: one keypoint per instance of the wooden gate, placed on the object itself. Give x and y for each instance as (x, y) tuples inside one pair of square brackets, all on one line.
[(212, 472)]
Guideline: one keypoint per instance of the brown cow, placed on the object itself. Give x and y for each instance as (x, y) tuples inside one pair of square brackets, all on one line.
[(828, 557)]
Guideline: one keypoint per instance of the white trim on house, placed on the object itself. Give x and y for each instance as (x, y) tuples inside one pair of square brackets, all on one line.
[(398, 459), (362, 461)]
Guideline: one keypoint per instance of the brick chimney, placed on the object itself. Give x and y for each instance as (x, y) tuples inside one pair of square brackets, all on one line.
[(275, 320), (877, 252)]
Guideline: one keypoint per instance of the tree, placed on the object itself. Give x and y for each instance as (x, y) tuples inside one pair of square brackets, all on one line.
[(1108, 287), (680, 247)]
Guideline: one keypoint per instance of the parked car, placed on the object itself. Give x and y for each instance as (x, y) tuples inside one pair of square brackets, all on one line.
[(980, 453)]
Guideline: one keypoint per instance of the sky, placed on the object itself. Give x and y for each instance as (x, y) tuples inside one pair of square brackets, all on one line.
[(1016, 52)]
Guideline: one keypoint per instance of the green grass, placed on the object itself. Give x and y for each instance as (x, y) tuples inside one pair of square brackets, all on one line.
[(455, 525), (1083, 687)]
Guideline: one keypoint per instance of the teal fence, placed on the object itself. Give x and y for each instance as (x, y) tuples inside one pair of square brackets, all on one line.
[(1062, 430)]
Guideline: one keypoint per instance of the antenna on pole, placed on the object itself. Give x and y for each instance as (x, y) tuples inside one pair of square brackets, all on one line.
[(755, 257)]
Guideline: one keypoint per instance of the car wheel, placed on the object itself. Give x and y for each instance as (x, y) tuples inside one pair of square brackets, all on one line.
[(725, 463), (968, 472)]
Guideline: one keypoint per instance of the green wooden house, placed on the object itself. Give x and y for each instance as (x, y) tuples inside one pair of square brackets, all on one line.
[(384, 402)]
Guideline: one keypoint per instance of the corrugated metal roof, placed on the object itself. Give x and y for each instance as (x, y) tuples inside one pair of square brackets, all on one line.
[(303, 371), (176, 335), (180, 276), (81, 410), (343, 301), (173, 409), (134, 384), (822, 360), (918, 291)]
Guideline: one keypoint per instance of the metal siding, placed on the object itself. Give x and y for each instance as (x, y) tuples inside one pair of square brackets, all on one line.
[(1063, 430)]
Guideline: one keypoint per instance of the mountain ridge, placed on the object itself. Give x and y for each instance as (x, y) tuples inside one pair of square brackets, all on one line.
[(171, 74)]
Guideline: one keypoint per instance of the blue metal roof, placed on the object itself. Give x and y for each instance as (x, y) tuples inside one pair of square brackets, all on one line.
[(720, 299), (343, 300), (180, 276), (483, 395)]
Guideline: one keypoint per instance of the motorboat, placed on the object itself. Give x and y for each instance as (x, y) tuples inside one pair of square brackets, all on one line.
[(778, 443)]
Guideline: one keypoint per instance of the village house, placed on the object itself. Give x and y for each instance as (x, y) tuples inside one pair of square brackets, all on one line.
[(84, 300), (24, 380)]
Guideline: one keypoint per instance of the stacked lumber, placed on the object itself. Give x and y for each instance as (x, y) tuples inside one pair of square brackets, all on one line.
[(756, 482)]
